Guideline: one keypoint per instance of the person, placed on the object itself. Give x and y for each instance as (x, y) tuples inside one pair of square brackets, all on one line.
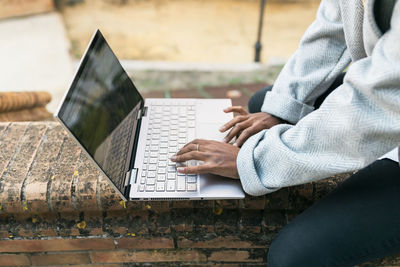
[(318, 121)]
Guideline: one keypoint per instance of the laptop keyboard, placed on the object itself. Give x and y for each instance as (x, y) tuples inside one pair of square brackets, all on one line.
[(170, 128)]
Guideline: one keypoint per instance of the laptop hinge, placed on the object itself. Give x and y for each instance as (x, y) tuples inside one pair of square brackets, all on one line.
[(127, 178), (133, 178), (142, 113)]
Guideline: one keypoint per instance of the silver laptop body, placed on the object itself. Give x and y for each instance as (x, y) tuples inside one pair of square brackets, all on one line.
[(131, 140)]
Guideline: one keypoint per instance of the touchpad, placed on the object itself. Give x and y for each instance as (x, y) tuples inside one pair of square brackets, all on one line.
[(212, 112), (209, 131)]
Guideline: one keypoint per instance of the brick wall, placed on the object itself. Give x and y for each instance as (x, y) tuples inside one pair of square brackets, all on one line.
[(56, 209)]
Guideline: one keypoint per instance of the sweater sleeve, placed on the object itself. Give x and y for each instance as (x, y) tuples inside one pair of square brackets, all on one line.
[(321, 56), (357, 123)]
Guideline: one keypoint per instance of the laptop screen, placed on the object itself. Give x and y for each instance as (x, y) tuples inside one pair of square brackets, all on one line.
[(101, 109)]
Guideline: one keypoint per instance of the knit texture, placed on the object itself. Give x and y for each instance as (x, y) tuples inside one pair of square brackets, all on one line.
[(356, 124)]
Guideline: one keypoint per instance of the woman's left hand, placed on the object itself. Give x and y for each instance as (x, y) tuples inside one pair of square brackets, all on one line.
[(217, 157)]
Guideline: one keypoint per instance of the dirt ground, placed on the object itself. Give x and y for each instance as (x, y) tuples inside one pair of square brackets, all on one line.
[(220, 31)]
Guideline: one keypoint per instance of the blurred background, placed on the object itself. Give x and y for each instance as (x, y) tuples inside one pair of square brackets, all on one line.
[(165, 45)]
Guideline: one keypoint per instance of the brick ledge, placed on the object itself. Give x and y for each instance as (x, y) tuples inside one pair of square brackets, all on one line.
[(43, 170)]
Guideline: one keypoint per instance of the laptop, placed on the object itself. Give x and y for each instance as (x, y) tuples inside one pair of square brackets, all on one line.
[(131, 139)]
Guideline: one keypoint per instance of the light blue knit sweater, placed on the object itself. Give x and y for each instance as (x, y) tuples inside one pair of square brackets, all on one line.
[(356, 124)]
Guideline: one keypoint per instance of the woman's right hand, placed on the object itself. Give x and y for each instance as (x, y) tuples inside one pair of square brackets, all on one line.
[(246, 124)]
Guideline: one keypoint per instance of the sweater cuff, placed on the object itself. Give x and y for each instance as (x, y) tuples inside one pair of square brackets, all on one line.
[(285, 107), (247, 171)]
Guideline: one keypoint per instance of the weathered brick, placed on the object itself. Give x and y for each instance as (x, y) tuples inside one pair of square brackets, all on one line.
[(118, 256), (115, 222), (159, 223), (67, 223), (217, 242), (182, 219), (41, 171), (144, 243), (56, 245), (184, 204), (301, 196), (323, 187), (274, 220), (278, 200), (14, 260), (109, 199), (228, 203), (93, 222), (12, 180), (226, 222), (10, 140), (257, 203), (233, 256), (84, 193), (94, 265), (60, 258), (251, 221), (61, 184), (138, 221)]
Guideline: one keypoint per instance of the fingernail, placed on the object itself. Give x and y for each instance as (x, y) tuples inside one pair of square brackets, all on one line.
[(226, 140), (235, 144), (180, 169), (222, 128), (173, 158)]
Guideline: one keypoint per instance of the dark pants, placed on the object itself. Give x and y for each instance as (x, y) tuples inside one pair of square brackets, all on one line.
[(357, 222)]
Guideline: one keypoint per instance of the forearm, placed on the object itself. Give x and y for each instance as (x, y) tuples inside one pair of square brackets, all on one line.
[(356, 124), (321, 56)]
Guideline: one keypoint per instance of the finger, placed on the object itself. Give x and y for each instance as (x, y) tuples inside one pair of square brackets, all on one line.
[(205, 168), (192, 155), (236, 130), (245, 135), (187, 148), (238, 109), (232, 123), (191, 146)]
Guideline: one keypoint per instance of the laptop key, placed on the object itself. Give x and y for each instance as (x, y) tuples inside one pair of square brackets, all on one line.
[(164, 145), (160, 187), (172, 168), (171, 185), (180, 183), (161, 177), (152, 167), (192, 187), (191, 179), (171, 176), (151, 181), (150, 188), (141, 188), (161, 170), (151, 174)]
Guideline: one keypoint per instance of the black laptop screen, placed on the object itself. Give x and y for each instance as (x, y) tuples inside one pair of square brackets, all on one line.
[(101, 108)]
